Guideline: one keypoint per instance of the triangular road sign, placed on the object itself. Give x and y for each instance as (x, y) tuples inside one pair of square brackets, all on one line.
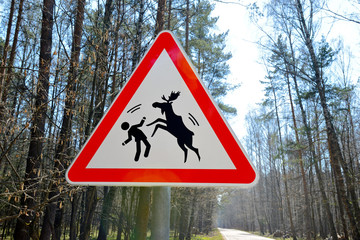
[(163, 129)]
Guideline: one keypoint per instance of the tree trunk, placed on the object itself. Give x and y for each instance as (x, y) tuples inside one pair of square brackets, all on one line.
[(314, 159), (159, 25), (99, 81), (121, 220), (192, 215), (74, 213), (325, 200), (4, 87), (341, 212), (336, 158), (169, 15), (6, 46), (105, 214), (90, 205), (52, 211), (187, 28), (142, 215), (184, 214), (302, 170), (138, 36), (292, 227), (25, 221), (119, 19)]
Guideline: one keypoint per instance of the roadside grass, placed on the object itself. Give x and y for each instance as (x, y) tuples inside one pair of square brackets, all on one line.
[(214, 235)]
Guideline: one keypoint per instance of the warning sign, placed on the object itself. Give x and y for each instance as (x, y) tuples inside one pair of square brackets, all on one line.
[(163, 129)]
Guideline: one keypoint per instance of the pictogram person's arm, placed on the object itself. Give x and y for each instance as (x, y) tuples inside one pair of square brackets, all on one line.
[(141, 123), (127, 140)]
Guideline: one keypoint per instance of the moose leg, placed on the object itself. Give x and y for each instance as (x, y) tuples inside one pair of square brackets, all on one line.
[(159, 126), (156, 121), (195, 150), (182, 146), (188, 143)]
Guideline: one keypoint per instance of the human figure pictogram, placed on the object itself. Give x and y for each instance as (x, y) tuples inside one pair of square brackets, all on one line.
[(174, 125), (139, 137)]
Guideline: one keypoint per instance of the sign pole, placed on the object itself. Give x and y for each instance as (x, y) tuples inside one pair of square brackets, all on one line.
[(160, 224)]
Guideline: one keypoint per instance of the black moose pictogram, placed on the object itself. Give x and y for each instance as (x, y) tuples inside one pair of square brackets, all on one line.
[(174, 124)]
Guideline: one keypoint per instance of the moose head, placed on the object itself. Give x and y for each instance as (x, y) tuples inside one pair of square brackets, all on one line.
[(166, 106)]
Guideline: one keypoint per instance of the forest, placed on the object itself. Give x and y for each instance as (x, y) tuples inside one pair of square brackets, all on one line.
[(64, 62), (304, 135)]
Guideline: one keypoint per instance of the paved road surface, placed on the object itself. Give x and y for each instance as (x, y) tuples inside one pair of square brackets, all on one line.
[(232, 234)]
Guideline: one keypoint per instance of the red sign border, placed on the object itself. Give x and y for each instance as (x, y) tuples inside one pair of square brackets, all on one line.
[(244, 174)]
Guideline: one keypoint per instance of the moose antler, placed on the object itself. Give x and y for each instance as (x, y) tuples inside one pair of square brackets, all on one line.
[(173, 96)]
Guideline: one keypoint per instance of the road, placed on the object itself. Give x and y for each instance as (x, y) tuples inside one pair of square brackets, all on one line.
[(232, 234)]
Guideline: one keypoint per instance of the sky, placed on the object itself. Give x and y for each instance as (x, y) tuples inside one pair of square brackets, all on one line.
[(245, 65)]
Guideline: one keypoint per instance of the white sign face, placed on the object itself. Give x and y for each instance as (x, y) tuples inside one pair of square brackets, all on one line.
[(165, 152), (163, 129)]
